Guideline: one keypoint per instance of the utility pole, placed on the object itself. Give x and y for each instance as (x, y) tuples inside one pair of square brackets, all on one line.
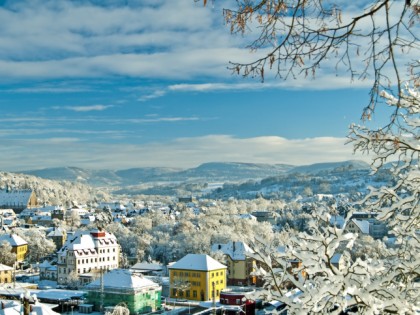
[(101, 294), (214, 298)]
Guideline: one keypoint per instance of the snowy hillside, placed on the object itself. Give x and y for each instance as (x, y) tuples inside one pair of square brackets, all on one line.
[(241, 180), (50, 191), (318, 167), (135, 176)]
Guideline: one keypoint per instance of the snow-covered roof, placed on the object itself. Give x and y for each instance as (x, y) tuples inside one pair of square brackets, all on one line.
[(13, 239), (123, 279), (7, 212), (235, 250), (197, 262), (147, 267), (10, 308), (15, 307), (15, 197), (247, 216), (363, 225), (40, 309), (5, 268), (56, 232), (86, 240), (58, 294)]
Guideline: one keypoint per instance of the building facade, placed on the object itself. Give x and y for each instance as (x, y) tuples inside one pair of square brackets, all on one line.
[(139, 294), (19, 246), (240, 265), (6, 274), (58, 235), (197, 277), (234, 301), (87, 252)]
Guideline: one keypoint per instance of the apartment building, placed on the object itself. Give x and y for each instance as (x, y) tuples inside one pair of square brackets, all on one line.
[(87, 252)]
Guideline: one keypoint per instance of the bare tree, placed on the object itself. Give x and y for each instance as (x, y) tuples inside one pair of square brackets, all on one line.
[(119, 309), (180, 285), (7, 257), (296, 38)]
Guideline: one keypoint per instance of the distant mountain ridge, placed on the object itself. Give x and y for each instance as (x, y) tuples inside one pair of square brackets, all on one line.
[(319, 167), (212, 171)]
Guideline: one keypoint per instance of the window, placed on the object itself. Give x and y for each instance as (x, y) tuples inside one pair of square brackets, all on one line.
[(194, 294), (187, 294)]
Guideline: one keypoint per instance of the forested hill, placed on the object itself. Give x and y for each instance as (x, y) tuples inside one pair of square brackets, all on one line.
[(212, 180), (208, 172), (52, 191)]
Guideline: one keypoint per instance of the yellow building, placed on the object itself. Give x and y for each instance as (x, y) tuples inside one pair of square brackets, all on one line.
[(6, 274), (241, 265), (197, 277), (19, 245)]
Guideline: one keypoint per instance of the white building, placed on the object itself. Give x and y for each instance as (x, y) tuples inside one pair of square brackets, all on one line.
[(87, 252)]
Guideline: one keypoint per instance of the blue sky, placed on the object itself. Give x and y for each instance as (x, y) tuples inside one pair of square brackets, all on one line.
[(120, 84)]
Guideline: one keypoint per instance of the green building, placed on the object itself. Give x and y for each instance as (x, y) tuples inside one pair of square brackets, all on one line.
[(140, 295)]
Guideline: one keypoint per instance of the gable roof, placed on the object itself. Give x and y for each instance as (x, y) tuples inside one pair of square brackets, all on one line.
[(363, 225), (5, 268), (59, 232), (13, 239), (15, 197), (84, 240), (197, 262), (235, 250)]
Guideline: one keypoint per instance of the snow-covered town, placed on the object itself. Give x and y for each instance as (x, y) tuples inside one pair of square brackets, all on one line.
[(181, 254), (209, 157)]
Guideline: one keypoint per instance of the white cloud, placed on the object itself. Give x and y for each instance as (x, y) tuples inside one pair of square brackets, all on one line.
[(154, 94), (183, 152), (45, 89), (56, 39), (88, 108)]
